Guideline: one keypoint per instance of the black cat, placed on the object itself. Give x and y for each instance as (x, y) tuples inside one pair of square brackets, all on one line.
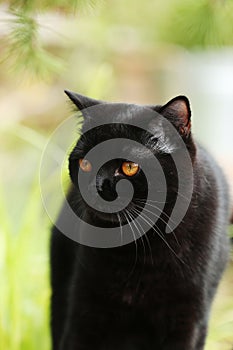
[(154, 292)]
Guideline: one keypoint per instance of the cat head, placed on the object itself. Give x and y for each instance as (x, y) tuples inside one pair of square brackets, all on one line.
[(177, 111), (133, 136)]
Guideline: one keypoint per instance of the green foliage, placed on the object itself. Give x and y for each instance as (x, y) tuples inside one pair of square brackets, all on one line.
[(231, 231), (199, 24), (24, 305), (24, 50), (190, 24), (24, 292), (44, 5)]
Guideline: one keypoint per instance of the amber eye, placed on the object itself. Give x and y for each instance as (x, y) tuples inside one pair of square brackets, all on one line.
[(130, 168), (85, 165)]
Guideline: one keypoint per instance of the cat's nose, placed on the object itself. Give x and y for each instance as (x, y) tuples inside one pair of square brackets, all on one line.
[(106, 189)]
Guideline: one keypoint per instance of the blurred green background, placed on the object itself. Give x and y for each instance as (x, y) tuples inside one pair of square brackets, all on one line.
[(134, 51)]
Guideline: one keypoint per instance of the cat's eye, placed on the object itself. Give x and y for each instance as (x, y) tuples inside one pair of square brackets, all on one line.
[(130, 168), (85, 165)]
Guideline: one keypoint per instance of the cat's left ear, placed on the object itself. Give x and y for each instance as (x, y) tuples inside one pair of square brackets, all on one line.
[(81, 101), (178, 112)]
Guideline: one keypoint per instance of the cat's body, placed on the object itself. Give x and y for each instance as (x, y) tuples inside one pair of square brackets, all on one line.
[(155, 297)]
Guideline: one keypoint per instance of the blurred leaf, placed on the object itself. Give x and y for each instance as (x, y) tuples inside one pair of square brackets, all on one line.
[(201, 24), (24, 51)]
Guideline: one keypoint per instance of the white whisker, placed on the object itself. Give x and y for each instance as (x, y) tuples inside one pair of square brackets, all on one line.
[(154, 206), (144, 248), (120, 223), (158, 217), (147, 220), (147, 239), (135, 241)]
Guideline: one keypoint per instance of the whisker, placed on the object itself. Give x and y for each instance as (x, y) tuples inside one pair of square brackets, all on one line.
[(182, 195), (147, 220), (120, 223), (147, 239), (154, 206), (150, 200), (135, 241), (158, 217), (144, 248)]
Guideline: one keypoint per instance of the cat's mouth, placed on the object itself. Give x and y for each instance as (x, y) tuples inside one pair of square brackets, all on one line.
[(109, 207), (116, 218), (102, 218)]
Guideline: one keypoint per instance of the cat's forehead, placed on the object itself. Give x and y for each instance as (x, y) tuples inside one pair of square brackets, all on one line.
[(143, 125), (120, 113)]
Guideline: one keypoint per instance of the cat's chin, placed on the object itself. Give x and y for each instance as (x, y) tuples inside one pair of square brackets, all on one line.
[(101, 219)]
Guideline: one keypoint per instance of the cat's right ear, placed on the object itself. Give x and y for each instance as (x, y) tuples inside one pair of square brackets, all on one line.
[(80, 101), (178, 112)]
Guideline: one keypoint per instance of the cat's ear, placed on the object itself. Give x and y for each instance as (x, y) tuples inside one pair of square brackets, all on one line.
[(178, 112), (81, 101)]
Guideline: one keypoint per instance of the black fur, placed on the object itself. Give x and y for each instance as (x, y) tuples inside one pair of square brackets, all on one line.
[(111, 299)]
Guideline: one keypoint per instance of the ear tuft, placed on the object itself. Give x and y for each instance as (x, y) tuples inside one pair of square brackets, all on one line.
[(81, 101), (178, 112)]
